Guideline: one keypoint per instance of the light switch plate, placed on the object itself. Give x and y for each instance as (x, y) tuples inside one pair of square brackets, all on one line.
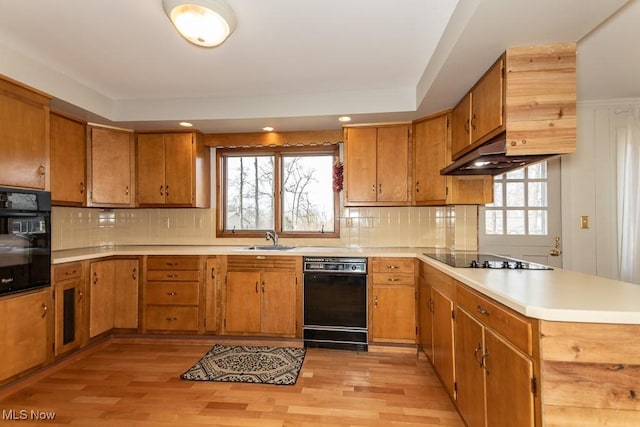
[(584, 221)]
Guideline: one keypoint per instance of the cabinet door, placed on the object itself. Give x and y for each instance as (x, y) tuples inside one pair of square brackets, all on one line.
[(443, 339), (461, 127), (179, 168), (278, 306), (69, 302), (211, 297), (243, 302), (24, 333), (393, 318), (110, 167), (126, 274), (24, 137), (361, 165), (150, 159), (469, 370), (508, 380), (487, 103), (430, 155), (425, 319), (101, 309), (393, 164), (68, 161)]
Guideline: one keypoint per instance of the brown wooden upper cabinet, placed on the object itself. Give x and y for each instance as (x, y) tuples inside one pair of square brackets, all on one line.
[(431, 142), (377, 165), (68, 161), (111, 174), (172, 170), (24, 136), (529, 94)]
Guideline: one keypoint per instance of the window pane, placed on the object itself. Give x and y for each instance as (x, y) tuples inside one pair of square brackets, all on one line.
[(497, 195), (249, 193), (537, 194), (307, 187), (538, 222), (494, 222), (516, 174), (537, 171), (515, 194), (515, 222)]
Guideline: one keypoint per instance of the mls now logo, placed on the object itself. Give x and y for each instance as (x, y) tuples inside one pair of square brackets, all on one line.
[(23, 414)]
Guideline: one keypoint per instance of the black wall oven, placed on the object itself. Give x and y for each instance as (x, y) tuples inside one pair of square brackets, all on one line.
[(335, 303), (25, 240)]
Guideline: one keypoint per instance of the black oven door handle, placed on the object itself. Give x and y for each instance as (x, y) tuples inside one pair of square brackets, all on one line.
[(14, 214)]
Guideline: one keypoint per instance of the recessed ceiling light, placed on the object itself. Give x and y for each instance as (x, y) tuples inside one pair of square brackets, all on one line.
[(344, 119), (267, 129), (185, 124)]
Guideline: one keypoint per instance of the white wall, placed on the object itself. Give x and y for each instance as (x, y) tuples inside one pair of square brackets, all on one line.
[(589, 188)]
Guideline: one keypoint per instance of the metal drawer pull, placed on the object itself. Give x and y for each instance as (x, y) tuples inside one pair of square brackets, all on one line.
[(68, 273), (483, 365), (392, 266), (481, 310), (172, 276), (171, 294), (475, 354), (393, 279), (170, 319), (45, 310)]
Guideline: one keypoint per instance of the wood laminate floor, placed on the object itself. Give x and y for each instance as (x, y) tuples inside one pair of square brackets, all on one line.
[(137, 384)]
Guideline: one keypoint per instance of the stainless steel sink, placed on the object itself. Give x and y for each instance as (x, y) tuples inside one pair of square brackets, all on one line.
[(269, 248)]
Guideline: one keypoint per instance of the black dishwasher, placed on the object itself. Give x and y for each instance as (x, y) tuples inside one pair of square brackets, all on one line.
[(335, 303)]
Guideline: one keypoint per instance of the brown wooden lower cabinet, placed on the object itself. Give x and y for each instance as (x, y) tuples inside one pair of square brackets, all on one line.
[(25, 332), (70, 303)]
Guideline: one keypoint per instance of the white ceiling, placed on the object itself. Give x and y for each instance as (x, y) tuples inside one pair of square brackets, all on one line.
[(298, 65)]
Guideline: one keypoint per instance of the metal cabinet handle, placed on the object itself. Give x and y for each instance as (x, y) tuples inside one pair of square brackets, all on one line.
[(466, 126), (393, 279), (482, 310), (172, 276), (95, 278), (483, 365), (80, 296), (171, 319), (373, 188), (161, 190), (263, 286), (417, 186), (473, 122), (45, 310), (391, 266), (380, 188), (166, 190), (256, 287), (475, 354), (134, 274), (41, 170), (126, 190), (81, 187), (375, 301), (171, 294), (213, 273), (69, 273)]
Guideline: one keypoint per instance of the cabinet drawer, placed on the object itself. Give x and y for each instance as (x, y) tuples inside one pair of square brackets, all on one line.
[(67, 271), (171, 293), (173, 263), (173, 276), (171, 318), (393, 279), (514, 327), (393, 265)]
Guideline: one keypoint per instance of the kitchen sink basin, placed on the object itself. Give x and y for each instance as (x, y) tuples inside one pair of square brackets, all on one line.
[(269, 248)]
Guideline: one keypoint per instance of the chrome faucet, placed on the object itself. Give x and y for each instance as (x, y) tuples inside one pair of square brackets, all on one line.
[(272, 235)]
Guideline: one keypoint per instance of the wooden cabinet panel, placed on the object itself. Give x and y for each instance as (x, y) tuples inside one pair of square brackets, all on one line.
[(425, 322), (243, 302), (508, 383), (111, 167), (179, 162), (392, 163), (172, 263), (172, 293), (487, 102), (393, 318), (24, 137), (212, 303), (126, 283), (177, 275), (361, 164), (150, 162), (68, 161), (172, 318), (25, 330), (278, 305), (101, 308), (443, 333), (393, 265), (469, 354), (461, 126)]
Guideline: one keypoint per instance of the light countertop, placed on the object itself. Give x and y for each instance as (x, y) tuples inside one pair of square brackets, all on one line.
[(554, 295)]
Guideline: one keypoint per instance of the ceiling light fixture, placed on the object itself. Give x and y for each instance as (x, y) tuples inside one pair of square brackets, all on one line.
[(344, 119), (205, 23), (267, 129), (186, 124)]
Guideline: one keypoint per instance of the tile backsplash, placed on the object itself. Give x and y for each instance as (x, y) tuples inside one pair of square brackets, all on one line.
[(454, 227)]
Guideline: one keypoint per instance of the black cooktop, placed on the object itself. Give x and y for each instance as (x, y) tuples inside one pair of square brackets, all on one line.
[(480, 260)]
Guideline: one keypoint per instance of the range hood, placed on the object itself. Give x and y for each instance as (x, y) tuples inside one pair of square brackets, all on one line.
[(491, 159)]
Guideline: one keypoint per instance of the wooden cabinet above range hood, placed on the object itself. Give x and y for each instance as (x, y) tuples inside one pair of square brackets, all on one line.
[(521, 111)]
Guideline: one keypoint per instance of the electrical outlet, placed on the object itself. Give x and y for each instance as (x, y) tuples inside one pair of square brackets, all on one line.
[(165, 222), (348, 222)]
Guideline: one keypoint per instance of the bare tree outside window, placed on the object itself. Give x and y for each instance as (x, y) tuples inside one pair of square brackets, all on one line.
[(249, 192)]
